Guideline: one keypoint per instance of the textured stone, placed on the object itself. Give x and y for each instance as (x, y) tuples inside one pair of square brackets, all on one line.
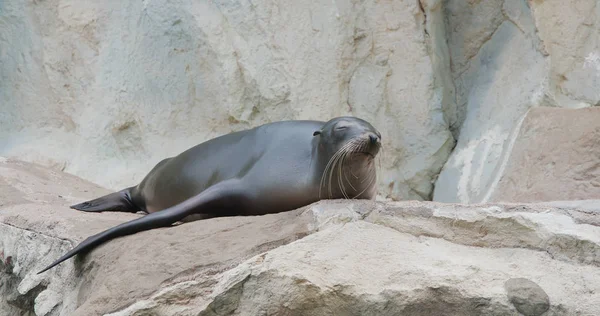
[(105, 91), (490, 98), (508, 57), (554, 157), (41, 228), (329, 258), (570, 33), (528, 297)]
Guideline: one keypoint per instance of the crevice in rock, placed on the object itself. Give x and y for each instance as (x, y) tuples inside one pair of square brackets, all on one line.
[(226, 303), (437, 172), (422, 195), (509, 19), (421, 7), (552, 252), (205, 270), (275, 244), (442, 101), (483, 43), (304, 297), (537, 41), (39, 233), (363, 216), (528, 232)]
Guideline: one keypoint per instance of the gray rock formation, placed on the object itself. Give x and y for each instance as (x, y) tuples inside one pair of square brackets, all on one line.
[(329, 258), (508, 56), (121, 87)]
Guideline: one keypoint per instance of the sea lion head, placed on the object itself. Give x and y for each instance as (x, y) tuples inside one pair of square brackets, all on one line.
[(351, 134), (348, 146)]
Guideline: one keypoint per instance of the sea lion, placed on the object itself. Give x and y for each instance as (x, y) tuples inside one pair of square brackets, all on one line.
[(271, 168)]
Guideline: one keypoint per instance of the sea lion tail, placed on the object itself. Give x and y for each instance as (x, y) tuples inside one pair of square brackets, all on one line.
[(87, 244), (117, 201), (219, 194), (154, 220)]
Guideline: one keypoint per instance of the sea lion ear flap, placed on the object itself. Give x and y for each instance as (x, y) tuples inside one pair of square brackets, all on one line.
[(317, 133)]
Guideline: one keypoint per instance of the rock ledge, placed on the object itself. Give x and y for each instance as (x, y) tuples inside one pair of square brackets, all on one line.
[(329, 258)]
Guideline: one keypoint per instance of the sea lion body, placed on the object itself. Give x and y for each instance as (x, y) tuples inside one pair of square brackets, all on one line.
[(273, 151), (271, 168)]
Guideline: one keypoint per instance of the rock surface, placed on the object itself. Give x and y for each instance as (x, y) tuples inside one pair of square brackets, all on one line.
[(88, 86), (508, 57), (87, 83), (555, 156), (552, 154), (332, 257)]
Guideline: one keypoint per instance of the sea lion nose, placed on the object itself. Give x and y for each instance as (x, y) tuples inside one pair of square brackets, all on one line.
[(373, 138)]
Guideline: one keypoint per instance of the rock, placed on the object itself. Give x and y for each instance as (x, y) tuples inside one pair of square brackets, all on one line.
[(528, 297), (487, 50), (570, 33), (106, 91), (332, 257), (36, 233), (508, 57), (87, 90), (553, 158)]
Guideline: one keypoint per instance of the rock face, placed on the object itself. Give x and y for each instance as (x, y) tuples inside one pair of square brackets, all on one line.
[(507, 57), (552, 154), (329, 258), (555, 156), (121, 87)]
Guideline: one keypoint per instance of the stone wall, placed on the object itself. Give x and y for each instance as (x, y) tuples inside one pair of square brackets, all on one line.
[(105, 90)]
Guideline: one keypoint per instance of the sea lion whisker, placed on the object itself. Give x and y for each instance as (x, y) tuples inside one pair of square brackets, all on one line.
[(364, 179), (331, 166), (339, 174), (341, 166), (368, 186), (347, 180), (340, 180), (337, 163), (324, 176), (370, 174), (340, 162), (358, 145)]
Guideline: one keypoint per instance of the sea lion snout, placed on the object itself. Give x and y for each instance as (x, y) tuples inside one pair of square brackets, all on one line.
[(374, 139), (373, 144)]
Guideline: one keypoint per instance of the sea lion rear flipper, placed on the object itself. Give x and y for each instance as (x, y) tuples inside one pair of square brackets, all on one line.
[(214, 197), (117, 201)]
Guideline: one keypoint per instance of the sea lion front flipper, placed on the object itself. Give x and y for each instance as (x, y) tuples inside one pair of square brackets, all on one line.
[(224, 194), (117, 201)]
